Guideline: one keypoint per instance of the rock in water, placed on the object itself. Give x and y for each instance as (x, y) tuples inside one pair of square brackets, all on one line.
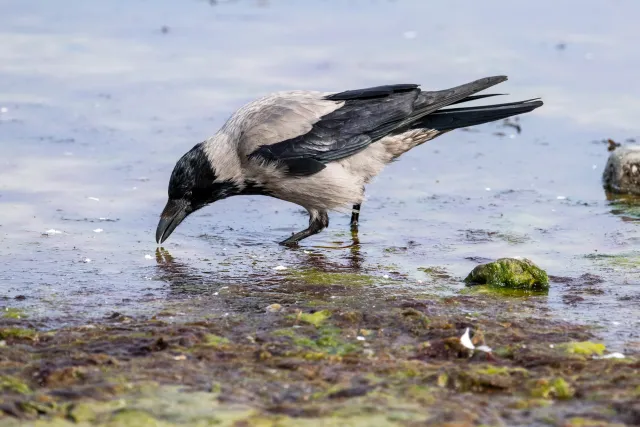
[(510, 273), (622, 173)]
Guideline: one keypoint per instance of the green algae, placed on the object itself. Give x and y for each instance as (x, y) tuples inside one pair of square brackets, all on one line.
[(17, 333), (555, 388), (399, 364), (482, 377), (82, 412), (436, 273), (510, 273), (213, 340), (626, 206), (513, 238), (585, 348), (327, 340), (13, 313), (624, 261), (132, 418), (531, 403), (316, 319), (317, 277), (503, 292), (589, 422), (10, 384)]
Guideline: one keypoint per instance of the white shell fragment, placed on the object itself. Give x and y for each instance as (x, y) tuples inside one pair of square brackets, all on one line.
[(52, 231), (465, 340), (98, 230), (280, 268), (93, 198), (611, 356), (147, 256)]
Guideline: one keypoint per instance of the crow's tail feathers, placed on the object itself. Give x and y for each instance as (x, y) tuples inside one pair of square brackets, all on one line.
[(453, 118)]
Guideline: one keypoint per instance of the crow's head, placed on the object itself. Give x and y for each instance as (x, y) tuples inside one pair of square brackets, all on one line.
[(193, 185)]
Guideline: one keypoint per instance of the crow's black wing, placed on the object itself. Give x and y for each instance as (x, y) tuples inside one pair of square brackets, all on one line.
[(366, 116)]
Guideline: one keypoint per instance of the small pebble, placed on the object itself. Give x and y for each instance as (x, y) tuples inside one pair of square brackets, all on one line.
[(98, 230), (561, 197), (147, 256), (274, 308), (52, 231), (360, 338), (93, 198), (386, 276), (488, 189), (87, 260), (280, 268), (4, 110), (180, 357)]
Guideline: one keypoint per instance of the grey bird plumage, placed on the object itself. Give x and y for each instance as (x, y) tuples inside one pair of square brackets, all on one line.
[(319, 150)]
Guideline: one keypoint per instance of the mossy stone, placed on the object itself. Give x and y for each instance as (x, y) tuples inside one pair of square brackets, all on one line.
[(509, 273)]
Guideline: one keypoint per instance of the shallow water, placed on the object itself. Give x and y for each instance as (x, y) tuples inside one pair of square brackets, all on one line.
[(101, 98)]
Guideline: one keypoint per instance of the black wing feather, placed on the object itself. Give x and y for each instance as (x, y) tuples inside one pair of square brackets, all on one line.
[(454, 118), (372, 92)]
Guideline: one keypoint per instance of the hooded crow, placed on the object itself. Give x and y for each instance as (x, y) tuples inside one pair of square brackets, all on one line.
[(317, 149)]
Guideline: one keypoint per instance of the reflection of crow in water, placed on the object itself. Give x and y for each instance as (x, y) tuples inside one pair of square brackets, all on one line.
[(318, 150), (181, 278), (184, 280)]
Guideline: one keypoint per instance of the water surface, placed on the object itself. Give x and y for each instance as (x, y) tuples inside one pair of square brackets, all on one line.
[(99, 99)]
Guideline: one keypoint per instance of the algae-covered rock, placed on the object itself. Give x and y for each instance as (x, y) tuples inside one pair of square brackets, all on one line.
[(511, 273)]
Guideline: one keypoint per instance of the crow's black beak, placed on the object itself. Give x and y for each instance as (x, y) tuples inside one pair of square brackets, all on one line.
[(171, 217)]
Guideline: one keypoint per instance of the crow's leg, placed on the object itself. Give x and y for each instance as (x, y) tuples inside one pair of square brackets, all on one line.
[(318, 220), (355, 216)]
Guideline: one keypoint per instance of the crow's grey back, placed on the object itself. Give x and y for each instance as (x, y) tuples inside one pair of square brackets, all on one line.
[(276, 118)]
